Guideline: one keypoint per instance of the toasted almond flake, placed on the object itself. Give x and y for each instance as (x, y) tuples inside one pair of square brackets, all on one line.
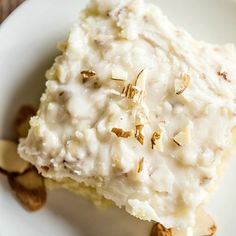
[(224, 75), (121, 133), (212, 230), (204, 223), (86, 74), (184, 136), (159, 230), (112, 92), (138, 77), (204, 226), (185, 82), (130, 91), (138, 133), (155, 136), (136, 91), (117, 79), (140, 165), (140, 83), (118, 73), (176, 142)]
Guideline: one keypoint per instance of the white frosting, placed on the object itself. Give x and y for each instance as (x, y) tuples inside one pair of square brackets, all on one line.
[(131, 42)]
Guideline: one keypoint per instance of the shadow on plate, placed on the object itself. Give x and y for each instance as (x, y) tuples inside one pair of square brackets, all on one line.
[(90, 220), (31, 85)]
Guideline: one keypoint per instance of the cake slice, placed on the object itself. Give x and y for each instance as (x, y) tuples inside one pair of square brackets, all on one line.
[(136, 110)]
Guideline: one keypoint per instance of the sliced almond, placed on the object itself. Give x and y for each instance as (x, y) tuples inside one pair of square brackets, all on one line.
[(22, 120), (181, 84), (133, 93), (118, 73), (159, 230), (87, 74), (29, 189), (204, 226), (141, 79), (140, 165), (130, 91), (117, 79), (183, 137), (10, 161), (224, 75), (156, 141), (180, 138), (121, 133), (138, 133)]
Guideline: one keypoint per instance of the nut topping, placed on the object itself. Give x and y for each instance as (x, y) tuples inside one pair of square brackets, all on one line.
[(87, 74), (138, 133), (159, 230), (181, 84), (223, 75), (155, 136), (121, 133), (140, 165)]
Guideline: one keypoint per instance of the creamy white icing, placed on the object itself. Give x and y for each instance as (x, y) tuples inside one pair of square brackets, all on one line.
[(180, 88)]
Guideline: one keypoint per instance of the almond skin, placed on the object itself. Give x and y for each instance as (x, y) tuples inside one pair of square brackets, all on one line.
[(29, 189), (159, 230)]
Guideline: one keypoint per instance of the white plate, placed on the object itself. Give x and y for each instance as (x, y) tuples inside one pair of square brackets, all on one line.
[(27, 48)]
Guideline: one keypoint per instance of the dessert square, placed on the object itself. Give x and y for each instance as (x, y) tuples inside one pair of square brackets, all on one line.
[(136, 110)]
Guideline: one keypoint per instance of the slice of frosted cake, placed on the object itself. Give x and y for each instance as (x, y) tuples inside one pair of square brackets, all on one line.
[(137, 110)]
